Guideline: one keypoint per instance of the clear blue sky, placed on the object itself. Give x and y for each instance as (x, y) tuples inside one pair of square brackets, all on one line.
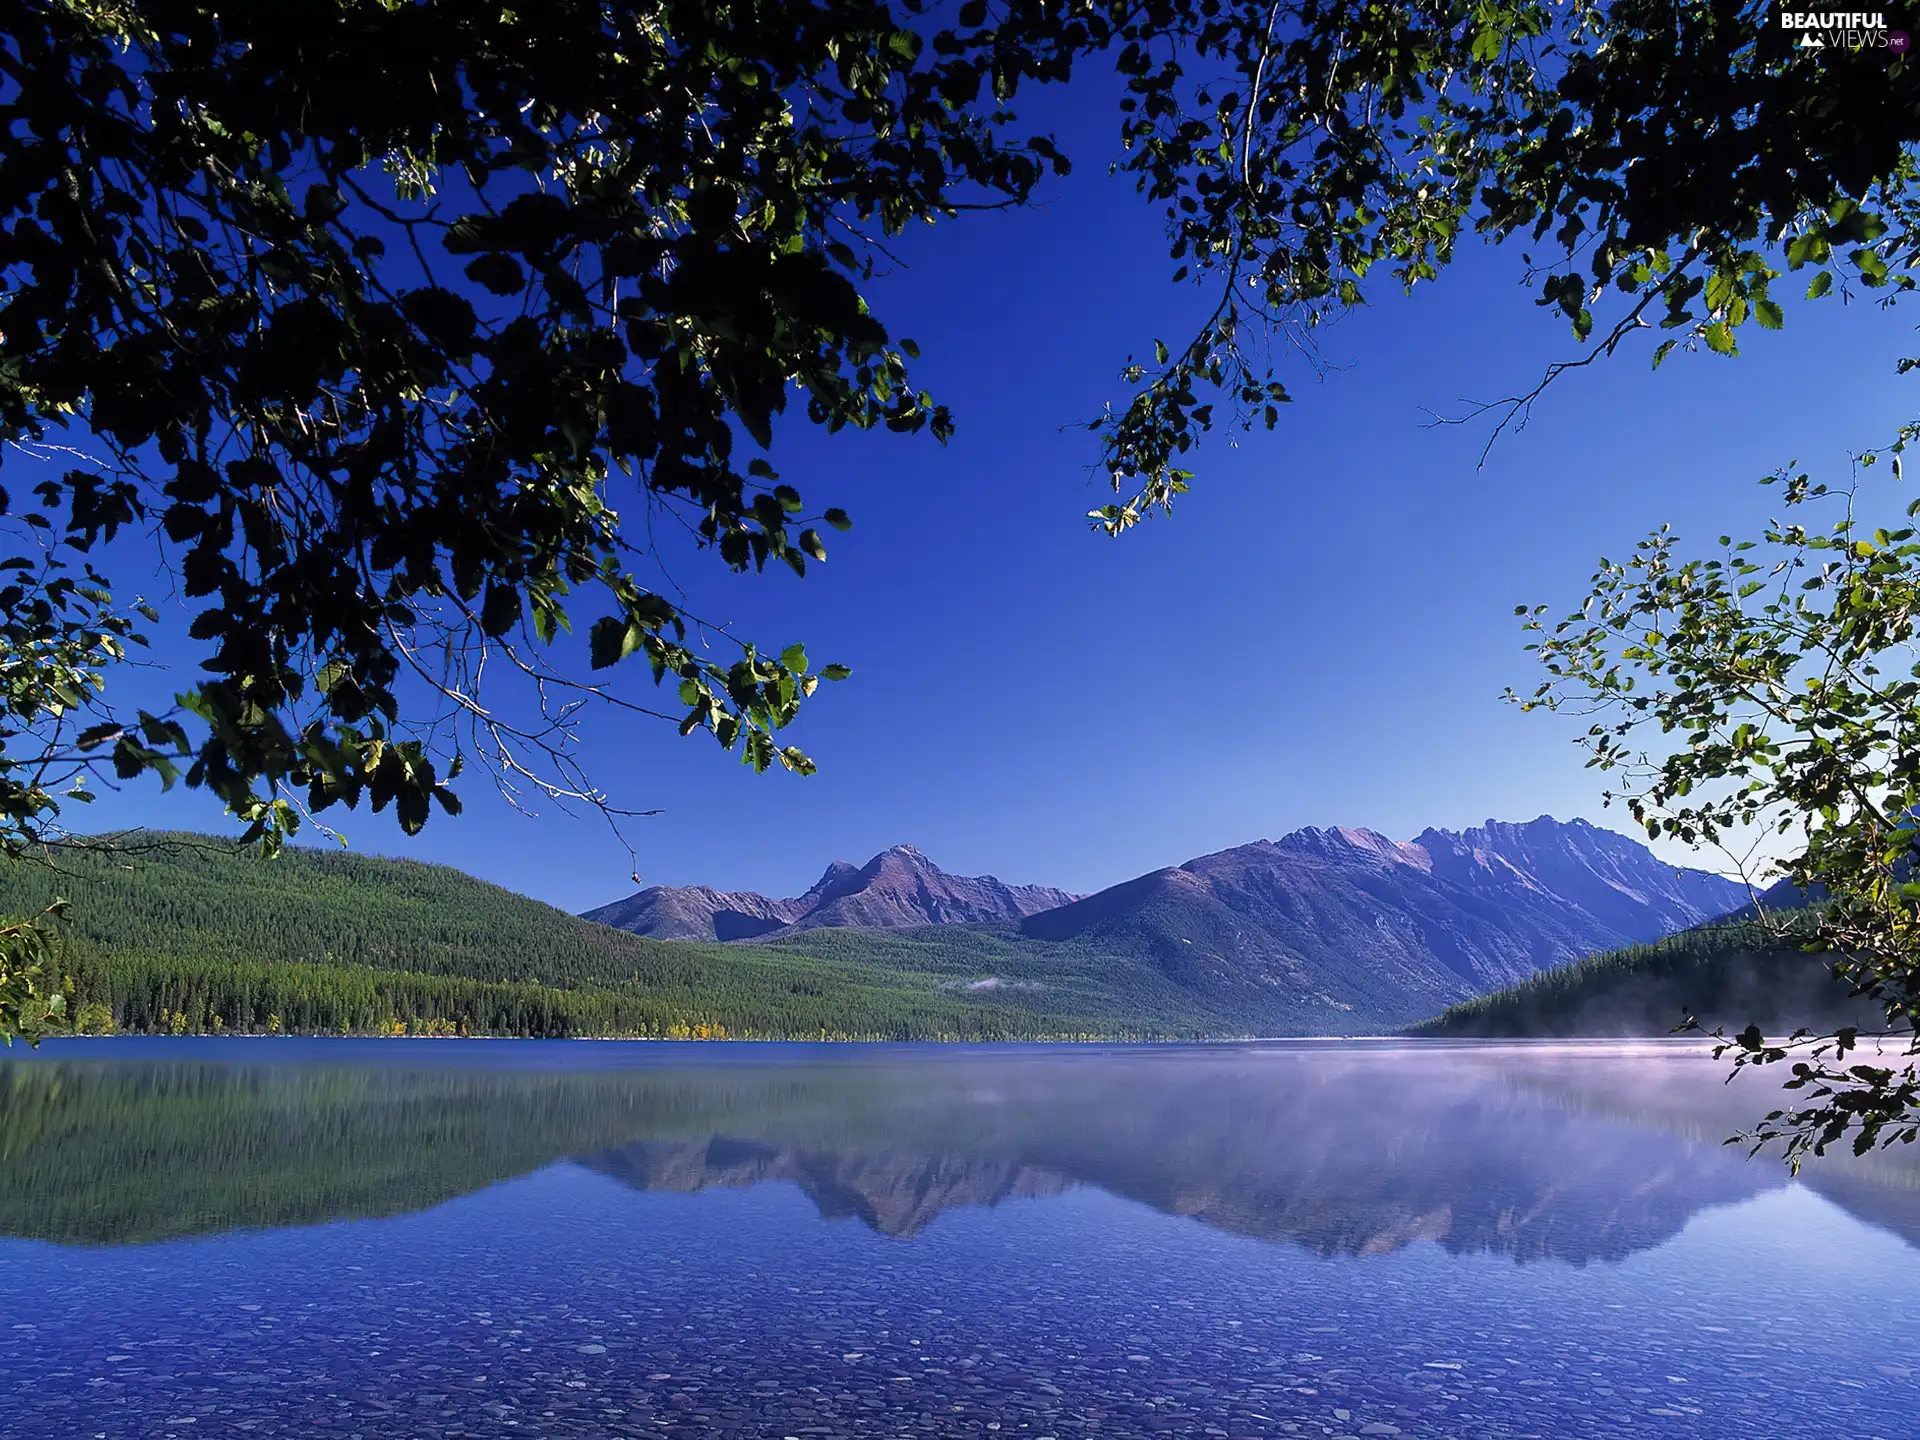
[(1318, 636)]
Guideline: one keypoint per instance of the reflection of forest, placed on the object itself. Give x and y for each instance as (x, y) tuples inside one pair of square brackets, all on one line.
[(1527, 1152)]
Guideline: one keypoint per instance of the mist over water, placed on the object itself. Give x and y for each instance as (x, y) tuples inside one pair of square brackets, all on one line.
[(421, 1239)]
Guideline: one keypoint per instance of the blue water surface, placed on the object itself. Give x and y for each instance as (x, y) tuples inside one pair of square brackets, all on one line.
[(428, 1241)]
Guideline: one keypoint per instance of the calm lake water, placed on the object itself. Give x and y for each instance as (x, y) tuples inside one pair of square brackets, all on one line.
[(429, 1239)]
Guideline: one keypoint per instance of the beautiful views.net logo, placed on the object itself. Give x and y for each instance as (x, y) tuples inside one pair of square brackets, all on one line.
[(1845, 30)]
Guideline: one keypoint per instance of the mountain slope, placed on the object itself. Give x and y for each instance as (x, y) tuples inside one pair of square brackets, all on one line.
[(897, 888), (901, 887), (1616, 880), (1371, 922), (696, 912)]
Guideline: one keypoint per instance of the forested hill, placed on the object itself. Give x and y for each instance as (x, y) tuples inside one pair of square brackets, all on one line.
[(1732, 974), (185, 934)]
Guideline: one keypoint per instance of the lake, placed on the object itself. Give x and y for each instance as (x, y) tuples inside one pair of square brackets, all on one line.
[(478, 1238)]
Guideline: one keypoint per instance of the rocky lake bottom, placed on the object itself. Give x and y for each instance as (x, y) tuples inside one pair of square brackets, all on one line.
[(398, 1239)]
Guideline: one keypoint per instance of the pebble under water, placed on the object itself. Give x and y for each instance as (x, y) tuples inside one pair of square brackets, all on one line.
[(1270, 1242)]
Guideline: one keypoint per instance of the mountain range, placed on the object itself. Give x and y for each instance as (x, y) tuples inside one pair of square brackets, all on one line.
[(897, 888), (1320, 932), (1447, 912), (1335, 920)]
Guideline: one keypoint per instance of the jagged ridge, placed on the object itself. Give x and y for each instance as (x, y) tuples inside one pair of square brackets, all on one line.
[(1359, 917), (898, 888)]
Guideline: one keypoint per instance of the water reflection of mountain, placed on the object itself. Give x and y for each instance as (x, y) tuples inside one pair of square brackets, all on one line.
[(1342, 1151), (897, 1193), (1340, 1156)]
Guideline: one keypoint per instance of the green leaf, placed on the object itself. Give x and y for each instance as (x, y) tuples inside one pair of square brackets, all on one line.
[(612, 639)]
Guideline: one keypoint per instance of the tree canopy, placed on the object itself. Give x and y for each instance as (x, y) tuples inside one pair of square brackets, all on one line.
[(418, 332)]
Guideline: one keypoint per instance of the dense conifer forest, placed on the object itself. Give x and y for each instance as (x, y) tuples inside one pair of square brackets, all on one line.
[(1733, 974)]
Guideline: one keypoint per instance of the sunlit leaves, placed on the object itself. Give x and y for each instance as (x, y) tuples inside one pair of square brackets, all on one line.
[(32, 1003), (1771, 690)]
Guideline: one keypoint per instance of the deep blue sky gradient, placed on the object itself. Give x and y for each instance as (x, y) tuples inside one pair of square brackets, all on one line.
[(1319, 635)]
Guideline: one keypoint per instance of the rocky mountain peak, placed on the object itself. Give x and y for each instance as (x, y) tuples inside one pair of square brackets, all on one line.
[(899, 887), (1347, 911), (1345, 844)]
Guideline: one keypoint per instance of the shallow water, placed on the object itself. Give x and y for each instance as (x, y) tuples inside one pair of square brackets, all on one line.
[(427, 1239)]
